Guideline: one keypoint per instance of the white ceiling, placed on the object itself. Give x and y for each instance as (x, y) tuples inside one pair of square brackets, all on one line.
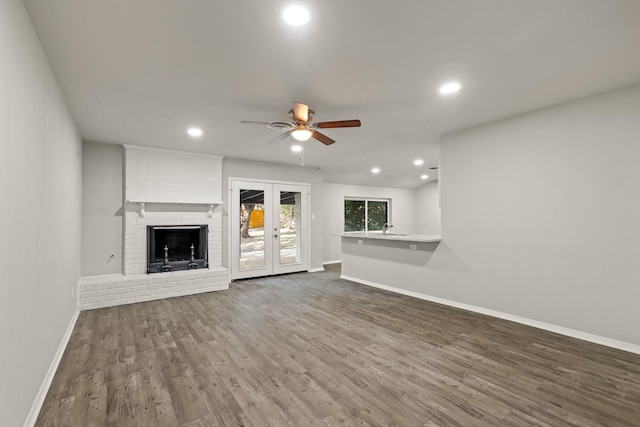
[(142, 71)]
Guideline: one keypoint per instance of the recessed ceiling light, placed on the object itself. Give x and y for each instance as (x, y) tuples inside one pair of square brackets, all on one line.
[(449, 88), (418, 162), (424, 176), (194, 132), (296, 148), (296, 15), (375, 170)]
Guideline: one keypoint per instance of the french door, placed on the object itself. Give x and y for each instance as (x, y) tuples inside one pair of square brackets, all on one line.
[(269, 228)]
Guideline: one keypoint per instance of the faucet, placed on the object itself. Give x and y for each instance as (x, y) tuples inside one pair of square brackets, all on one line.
[(386, 227)]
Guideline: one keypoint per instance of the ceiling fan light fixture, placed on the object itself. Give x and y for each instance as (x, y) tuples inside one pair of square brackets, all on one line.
[(301, 134)]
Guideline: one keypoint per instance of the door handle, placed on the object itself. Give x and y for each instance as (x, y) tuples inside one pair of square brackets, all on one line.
[(275, 236)]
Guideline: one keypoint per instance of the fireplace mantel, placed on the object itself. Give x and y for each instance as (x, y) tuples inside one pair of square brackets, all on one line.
[(215, 202), (143, 204)]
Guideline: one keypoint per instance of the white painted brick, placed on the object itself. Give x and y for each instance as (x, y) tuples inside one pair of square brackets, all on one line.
[(177, 172), (99, 286)]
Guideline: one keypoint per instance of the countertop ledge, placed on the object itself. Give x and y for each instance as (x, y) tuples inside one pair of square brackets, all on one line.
[(424, 238)]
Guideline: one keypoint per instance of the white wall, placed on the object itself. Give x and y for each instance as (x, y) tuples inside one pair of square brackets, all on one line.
[(40, 178), (403, 216), (541, 217), (275, 172), (102, 172), (427, 199)]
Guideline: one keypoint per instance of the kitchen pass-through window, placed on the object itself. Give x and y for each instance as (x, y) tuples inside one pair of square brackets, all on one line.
[(365, 214)]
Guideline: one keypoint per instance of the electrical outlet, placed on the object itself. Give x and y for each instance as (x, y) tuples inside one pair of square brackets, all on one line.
[(359, 242), (413, 247), (73, 292)]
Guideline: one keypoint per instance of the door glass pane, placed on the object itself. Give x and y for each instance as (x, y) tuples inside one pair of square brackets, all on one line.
[(376, 215), (290, 218), (354, 215), (252, 253)]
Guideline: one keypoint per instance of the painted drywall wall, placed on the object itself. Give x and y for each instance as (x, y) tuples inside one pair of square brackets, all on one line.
[(276, 172), (428, 215), (102, 174), (543, 210), (540, 218), (403, 216), (40, 178)]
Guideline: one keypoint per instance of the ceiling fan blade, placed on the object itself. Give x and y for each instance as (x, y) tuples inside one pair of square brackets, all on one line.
[(338, 124), (250, 122), (322, 138), (301, 112), (280, 137)]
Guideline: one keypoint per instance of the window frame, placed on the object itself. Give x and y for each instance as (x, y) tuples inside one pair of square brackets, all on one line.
[(366, 201)]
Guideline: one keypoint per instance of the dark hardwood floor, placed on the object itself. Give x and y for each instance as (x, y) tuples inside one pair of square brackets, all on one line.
[(314, 350)]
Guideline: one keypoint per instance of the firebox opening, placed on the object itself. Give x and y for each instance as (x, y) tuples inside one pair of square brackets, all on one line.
[(176, 247)]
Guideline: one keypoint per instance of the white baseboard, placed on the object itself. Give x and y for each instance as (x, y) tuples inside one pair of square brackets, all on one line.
[(597, 339), (46, 383), (338, 261), (315, 270)]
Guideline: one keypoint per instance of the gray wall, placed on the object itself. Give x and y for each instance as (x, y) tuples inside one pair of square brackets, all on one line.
[(40, 178), (102, 174), (428, 215), (275, 172), (541, 217)]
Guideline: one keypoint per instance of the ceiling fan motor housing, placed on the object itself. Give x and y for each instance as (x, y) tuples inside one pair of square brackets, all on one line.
[(309, 114)]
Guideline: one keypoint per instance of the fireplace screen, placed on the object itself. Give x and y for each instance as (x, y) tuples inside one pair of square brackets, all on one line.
[(176, 247)]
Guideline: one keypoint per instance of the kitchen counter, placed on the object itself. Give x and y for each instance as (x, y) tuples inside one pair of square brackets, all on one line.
[(395, 262), (422, 238)]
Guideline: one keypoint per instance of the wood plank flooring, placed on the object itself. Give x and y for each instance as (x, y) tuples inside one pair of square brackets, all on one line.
[(314, 350)]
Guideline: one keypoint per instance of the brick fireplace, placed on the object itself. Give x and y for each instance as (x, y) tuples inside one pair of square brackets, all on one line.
[(164, 189)]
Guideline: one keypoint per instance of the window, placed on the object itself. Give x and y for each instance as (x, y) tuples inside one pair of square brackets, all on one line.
[(365, 214)]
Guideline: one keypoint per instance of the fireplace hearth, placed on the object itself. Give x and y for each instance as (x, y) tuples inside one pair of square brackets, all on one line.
[(176, 247)]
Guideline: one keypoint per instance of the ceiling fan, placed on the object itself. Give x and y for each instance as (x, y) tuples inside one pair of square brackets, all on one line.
[(301, 125)]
